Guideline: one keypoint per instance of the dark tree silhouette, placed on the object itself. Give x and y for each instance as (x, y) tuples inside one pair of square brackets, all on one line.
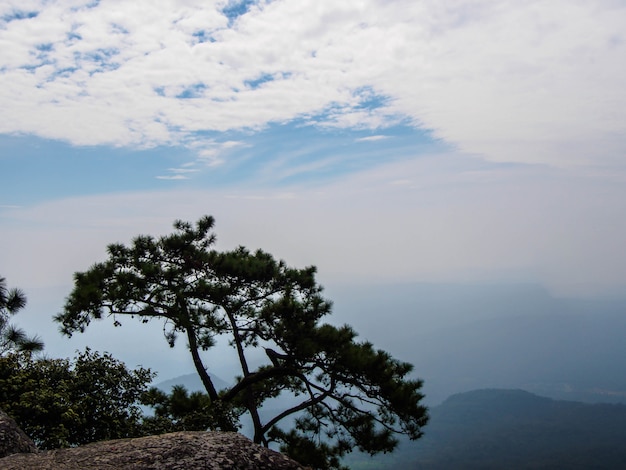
[(12, 338), (351, 394)]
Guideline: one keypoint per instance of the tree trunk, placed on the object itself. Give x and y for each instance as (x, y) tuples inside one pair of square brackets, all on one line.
[(197, 362), (250, 404)]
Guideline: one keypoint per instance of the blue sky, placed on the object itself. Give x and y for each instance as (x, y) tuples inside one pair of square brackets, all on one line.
[(430, 141), (280, 155)]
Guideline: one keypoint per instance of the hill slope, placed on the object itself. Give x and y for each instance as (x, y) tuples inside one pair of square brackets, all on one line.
[(514, 429)]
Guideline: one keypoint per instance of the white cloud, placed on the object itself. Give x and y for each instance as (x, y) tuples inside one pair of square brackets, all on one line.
[(211, 153), (372, 138), (515, 81)]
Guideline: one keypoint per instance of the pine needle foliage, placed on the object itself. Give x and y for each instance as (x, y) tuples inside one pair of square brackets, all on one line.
[(352, 395)]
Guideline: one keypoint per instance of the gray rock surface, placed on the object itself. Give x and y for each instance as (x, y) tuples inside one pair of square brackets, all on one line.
[(12, 439), (190, 450)]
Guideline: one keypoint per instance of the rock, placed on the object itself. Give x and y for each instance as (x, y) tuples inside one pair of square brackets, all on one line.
[(189, 450), (12, 439)]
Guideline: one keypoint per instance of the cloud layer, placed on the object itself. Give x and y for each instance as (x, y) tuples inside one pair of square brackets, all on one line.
[(514, 81)]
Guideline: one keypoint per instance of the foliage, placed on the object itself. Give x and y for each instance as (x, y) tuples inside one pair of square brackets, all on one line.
[(352, 395), (183, 411), (12, 338), (61, 403)]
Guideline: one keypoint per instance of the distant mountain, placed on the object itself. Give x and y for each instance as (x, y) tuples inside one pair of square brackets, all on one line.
[(191, 382), (465, 337), (512, 429), (571, 356)]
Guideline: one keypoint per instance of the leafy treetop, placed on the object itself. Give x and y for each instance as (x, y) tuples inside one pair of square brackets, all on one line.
[(61, 403)]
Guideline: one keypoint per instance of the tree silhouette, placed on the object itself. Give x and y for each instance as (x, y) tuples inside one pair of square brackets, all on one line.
[(351, 395), (12, 338)]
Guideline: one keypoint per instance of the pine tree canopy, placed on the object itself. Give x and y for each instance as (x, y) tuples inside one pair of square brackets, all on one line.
[(351, 395)]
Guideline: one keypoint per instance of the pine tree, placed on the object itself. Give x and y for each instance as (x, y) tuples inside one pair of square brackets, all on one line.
[(352, 396), (12, 338)]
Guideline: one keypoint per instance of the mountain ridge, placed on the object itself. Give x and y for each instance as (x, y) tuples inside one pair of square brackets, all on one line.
[(513, 429)]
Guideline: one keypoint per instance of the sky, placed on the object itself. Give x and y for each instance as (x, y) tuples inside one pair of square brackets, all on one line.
[(382, 141)]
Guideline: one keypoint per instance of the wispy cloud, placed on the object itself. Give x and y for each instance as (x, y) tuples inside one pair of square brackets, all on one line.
[(183, 170), (178, 173), (213, 153), (372, 138), (173, 177), (517, 81)]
